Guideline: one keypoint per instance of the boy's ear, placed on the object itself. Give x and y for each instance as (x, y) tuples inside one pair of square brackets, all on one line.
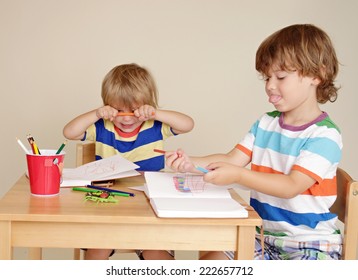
[(316, 81)]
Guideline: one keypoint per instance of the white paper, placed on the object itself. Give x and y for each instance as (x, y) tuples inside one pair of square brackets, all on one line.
[(162, 185), (105, 169), (208, 201)]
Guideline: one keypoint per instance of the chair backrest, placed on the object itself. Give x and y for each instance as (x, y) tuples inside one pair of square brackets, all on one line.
[(346, 207), (85, 153)]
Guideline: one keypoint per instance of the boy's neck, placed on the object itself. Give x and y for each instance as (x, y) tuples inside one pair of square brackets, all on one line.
[(288, 120), (302, 115), (127, 134)]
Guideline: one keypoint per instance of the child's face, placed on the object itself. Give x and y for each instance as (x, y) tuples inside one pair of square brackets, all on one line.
[(127, 123), (289, 91)]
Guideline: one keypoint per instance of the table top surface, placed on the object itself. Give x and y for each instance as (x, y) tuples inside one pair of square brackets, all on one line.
[(19, 204)]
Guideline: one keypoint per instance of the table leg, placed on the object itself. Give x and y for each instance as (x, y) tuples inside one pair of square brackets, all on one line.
[(35, 254), (76, 254), (245, 243), (5, 240)]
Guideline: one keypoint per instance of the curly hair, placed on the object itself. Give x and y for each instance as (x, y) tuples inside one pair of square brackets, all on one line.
[(306, 49)]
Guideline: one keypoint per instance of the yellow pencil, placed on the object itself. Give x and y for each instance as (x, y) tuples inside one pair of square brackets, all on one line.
[(35, 148)]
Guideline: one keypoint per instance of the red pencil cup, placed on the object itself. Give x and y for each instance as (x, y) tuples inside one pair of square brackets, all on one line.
[(44, 172)]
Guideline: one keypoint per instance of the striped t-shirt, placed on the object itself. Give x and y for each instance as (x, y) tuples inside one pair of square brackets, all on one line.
[(314, 149), (137, 148)]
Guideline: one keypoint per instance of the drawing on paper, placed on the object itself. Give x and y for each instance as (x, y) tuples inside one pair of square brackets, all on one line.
[(101, 167), (189, 183)]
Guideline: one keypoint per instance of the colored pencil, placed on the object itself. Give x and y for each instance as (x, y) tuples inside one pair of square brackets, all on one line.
[(108, 190), (95, 190), (125, 114), (159, 151), (202, 169), (61, 147), (129, 114), (35, 148), (22, 145), (163, 152), (29, 139)]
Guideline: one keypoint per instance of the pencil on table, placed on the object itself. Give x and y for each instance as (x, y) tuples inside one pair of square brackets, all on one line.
[(109, 190), (95, 190)]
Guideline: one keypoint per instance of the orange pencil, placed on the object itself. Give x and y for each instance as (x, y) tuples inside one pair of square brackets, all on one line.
[(122, 114), (159, 151), (125, 114)]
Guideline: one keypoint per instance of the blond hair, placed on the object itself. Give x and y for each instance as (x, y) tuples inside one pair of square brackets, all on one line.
[(128, 85), (306, 49)]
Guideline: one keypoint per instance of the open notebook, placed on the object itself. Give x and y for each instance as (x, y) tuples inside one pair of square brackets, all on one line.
[(188, 196), (113, 167)]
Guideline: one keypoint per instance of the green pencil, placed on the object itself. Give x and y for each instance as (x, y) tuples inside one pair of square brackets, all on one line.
[(61, 148), (93, 190)]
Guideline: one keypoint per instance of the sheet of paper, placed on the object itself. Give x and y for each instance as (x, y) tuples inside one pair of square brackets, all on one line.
[(163, 184), (105, 169)]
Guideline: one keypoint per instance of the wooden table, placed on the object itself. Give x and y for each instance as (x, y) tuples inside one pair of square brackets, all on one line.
[(67, 221)]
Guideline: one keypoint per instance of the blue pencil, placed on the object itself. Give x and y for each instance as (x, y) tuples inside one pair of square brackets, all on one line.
[(109, 190), (202, 169)]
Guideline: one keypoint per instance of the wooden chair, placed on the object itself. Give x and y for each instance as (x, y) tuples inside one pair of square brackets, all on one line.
[(85, 153), (346, 207)]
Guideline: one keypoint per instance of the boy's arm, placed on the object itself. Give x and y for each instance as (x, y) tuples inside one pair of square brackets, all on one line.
[(278, 185), (179, 161), (75, 129), (179, 122)]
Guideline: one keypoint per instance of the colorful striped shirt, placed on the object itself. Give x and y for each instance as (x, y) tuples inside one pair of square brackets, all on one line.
[(314, 149), (137, 148)]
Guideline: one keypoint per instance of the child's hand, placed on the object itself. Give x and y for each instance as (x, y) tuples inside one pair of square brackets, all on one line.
[(145, 112), (179, 161), (106, 112), (222, 173)]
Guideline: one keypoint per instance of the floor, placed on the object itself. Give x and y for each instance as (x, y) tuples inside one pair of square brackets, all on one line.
[(67, 254)]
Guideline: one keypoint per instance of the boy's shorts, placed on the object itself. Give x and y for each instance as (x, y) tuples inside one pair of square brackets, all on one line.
[(279, 249)]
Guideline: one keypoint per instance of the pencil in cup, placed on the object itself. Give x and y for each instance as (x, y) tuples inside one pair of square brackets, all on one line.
[(61, 147), (22, 145), (34, 147)]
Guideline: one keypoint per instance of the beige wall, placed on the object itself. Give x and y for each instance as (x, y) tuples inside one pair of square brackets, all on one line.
[(54, 55)]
